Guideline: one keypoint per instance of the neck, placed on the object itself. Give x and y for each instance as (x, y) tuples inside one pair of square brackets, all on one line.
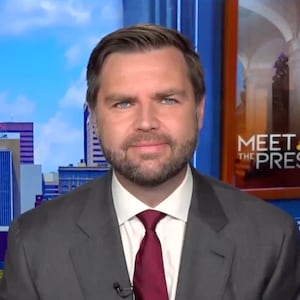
[(153, 195)]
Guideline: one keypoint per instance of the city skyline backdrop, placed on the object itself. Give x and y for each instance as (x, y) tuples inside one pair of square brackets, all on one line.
[(45, 46)]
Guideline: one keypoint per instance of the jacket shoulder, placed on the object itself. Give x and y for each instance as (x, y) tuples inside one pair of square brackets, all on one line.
[(244, 207), (67, 207)]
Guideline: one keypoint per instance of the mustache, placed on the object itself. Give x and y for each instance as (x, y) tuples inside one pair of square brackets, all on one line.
[(145, 137)]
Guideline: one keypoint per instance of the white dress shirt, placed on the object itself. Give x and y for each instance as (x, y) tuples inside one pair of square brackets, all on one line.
[(170, 229)]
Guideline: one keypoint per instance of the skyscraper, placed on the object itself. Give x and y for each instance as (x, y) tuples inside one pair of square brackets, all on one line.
[(6, 186), (93, 154), (9, 180), (25, 129)]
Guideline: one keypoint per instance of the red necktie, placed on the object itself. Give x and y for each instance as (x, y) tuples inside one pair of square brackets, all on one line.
[(149, 282)]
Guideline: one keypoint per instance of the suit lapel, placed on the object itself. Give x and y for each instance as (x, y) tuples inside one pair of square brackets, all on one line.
[(99, 260), (207, 256), (98, 257)]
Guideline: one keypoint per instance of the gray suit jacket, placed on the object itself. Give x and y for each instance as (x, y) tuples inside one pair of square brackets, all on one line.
[(236, 247)]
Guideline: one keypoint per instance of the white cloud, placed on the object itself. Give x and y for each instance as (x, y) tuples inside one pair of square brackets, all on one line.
[(77, 25), (78, 12), (78, 53), (111, 12), (75, 94), (57, 143), (73, 55), (17, 16), (20, 109)]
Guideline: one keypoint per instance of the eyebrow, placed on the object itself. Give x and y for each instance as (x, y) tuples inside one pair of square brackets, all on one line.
[(118, 97), (169, 92), (158, 95)]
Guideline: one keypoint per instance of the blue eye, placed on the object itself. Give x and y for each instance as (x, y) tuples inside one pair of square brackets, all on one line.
[(123, 104), (169, 101)]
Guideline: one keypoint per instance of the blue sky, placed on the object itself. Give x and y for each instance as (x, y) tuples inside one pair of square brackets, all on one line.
[(44, 49)]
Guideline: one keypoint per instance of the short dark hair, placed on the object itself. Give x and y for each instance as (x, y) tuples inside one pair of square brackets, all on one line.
[(141, 38)]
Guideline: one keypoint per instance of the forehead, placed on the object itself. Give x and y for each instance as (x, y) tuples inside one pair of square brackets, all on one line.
[(156, 57), (137, 74)]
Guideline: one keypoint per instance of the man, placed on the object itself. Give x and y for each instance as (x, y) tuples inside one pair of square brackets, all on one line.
[(146, 98)]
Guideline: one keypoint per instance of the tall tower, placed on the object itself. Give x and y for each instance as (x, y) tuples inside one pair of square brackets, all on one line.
[(9, 180), (6, 187), (93, 154), (25, 129)]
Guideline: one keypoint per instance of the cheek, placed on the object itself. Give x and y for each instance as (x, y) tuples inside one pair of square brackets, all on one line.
[(185, 127), (110, 136)]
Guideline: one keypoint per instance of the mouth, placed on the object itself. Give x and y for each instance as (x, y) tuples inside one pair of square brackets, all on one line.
[(149, 146)]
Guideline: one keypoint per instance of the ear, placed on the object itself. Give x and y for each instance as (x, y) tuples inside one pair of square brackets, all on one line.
[(200, 113)]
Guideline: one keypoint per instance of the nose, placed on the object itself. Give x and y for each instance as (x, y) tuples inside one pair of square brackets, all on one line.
[(146, 117)]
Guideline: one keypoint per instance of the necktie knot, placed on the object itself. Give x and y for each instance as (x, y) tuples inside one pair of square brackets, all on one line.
[(150, 218)]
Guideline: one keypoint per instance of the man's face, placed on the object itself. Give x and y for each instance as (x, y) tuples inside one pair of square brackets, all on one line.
[(146, 115)]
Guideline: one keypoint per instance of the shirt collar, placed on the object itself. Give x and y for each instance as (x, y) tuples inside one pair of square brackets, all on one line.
[(176, 204)]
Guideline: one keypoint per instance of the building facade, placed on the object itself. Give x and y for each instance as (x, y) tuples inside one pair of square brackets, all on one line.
[(6, 187), (72, 177), (93, 154), (31, 176), (50, 185), (9, 179), (25, 129)]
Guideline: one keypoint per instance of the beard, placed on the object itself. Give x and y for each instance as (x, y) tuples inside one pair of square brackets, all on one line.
[(133, 170)]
